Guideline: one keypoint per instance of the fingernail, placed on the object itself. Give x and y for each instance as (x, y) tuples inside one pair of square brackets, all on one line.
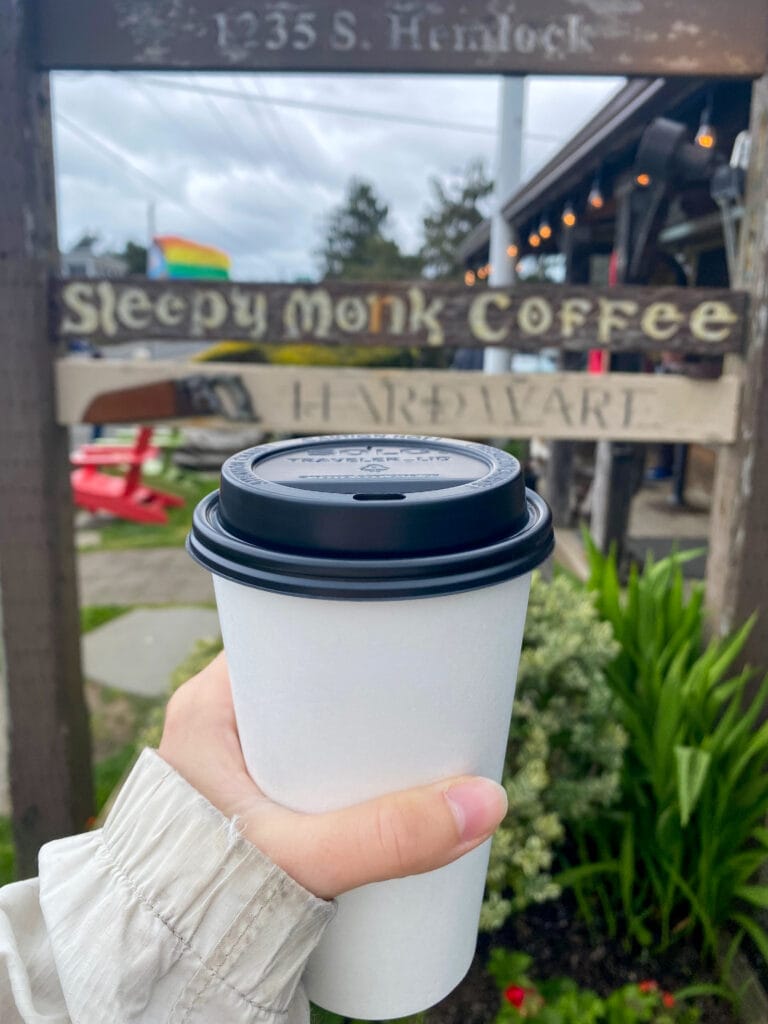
[(478, 806)]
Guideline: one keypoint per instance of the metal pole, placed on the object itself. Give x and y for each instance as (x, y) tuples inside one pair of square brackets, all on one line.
[(509, 156), (151, 222)]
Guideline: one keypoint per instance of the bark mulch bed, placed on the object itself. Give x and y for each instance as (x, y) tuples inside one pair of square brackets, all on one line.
[(562, 946)]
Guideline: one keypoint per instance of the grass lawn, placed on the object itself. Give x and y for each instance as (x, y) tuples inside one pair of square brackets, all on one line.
[(193, 487), (7, 856), (95, 615)]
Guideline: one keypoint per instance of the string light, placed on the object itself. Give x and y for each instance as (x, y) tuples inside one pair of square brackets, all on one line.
[(595, 198), (705, 136), (534, 240), (545, 230), (519, 267), (569, 216), (483, 272), (643, 179), (469, 278), (512, 251)]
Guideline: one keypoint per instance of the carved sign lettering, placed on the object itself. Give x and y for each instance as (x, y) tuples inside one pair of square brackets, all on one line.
[(526, 318), (304, 400), (648, 37)]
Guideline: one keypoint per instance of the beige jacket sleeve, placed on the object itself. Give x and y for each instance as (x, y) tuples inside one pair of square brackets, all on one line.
[(165, 916)]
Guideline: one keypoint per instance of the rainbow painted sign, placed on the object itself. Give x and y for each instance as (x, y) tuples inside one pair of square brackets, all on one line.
[(171, 257)]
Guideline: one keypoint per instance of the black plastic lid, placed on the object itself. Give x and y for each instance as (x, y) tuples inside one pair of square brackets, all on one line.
[(371, 517)]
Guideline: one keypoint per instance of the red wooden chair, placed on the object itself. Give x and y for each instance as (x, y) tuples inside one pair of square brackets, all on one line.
[(124, 496)]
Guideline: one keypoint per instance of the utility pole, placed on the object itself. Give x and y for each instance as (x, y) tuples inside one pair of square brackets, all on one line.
[(151, 222), (509, 159)]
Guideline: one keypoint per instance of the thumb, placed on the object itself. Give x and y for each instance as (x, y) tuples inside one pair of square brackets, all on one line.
[(404, 833)]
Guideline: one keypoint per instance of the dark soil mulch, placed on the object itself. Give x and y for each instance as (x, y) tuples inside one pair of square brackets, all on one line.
[(562, 946)]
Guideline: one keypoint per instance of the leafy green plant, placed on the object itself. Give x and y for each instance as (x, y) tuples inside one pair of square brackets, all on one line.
[(680, 855), (565, 749), (562, 1001)]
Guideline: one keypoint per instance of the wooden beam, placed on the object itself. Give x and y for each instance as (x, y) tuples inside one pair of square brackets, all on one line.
[(560, 464), (463, 404), (527, 318), (50, 762), (737, 571), (619, 465), (665, 37)]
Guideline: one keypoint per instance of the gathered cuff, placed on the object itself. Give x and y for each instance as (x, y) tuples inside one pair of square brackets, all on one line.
[(251, 925)]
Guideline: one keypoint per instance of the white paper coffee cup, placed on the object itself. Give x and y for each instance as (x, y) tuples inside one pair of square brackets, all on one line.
[(373, 619)]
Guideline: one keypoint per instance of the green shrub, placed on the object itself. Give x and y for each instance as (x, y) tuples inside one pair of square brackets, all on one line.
[(679, 857), (562, 1001), (565, 749)]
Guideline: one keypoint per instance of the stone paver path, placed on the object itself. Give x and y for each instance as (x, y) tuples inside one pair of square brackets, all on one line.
[(142, 576), (139, 651)]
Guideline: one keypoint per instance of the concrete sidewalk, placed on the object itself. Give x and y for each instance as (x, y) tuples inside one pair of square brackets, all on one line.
[(142, 576)]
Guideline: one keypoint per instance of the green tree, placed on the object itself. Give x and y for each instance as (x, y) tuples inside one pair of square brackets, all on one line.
[(356, 247), (136, 258), (457, 207)]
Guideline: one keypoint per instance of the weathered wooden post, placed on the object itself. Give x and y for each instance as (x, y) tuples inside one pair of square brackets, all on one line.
[(737, 573), (616, 463), (559, 474), (51, 787)]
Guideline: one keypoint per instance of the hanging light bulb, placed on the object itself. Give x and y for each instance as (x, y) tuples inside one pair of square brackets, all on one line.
[(469, 278), (545, 229), (512, 251), (643, 179), (569, 216), (705, 136), (595, 197), (534, 240)]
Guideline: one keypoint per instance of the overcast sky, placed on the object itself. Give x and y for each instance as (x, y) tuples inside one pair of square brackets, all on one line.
[(257, 178)]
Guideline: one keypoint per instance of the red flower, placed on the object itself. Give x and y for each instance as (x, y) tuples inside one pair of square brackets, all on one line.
[(668, 999), (515, 995), (648, 986)]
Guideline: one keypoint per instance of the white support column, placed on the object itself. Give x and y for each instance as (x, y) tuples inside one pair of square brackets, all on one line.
[(509, 156)]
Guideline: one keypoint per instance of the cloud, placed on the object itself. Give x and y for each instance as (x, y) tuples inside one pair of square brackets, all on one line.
[(259, 179)]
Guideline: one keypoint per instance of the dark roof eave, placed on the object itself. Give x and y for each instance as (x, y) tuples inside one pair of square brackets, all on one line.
[(616, 125)]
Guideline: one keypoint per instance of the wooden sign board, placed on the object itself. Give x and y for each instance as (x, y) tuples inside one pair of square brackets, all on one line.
[(305, 400), (590, 37), (525, 318)]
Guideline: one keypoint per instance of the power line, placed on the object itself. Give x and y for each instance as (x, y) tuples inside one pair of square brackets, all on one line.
[(126, 164), (275, 126), (237, 141), (327, 108)]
